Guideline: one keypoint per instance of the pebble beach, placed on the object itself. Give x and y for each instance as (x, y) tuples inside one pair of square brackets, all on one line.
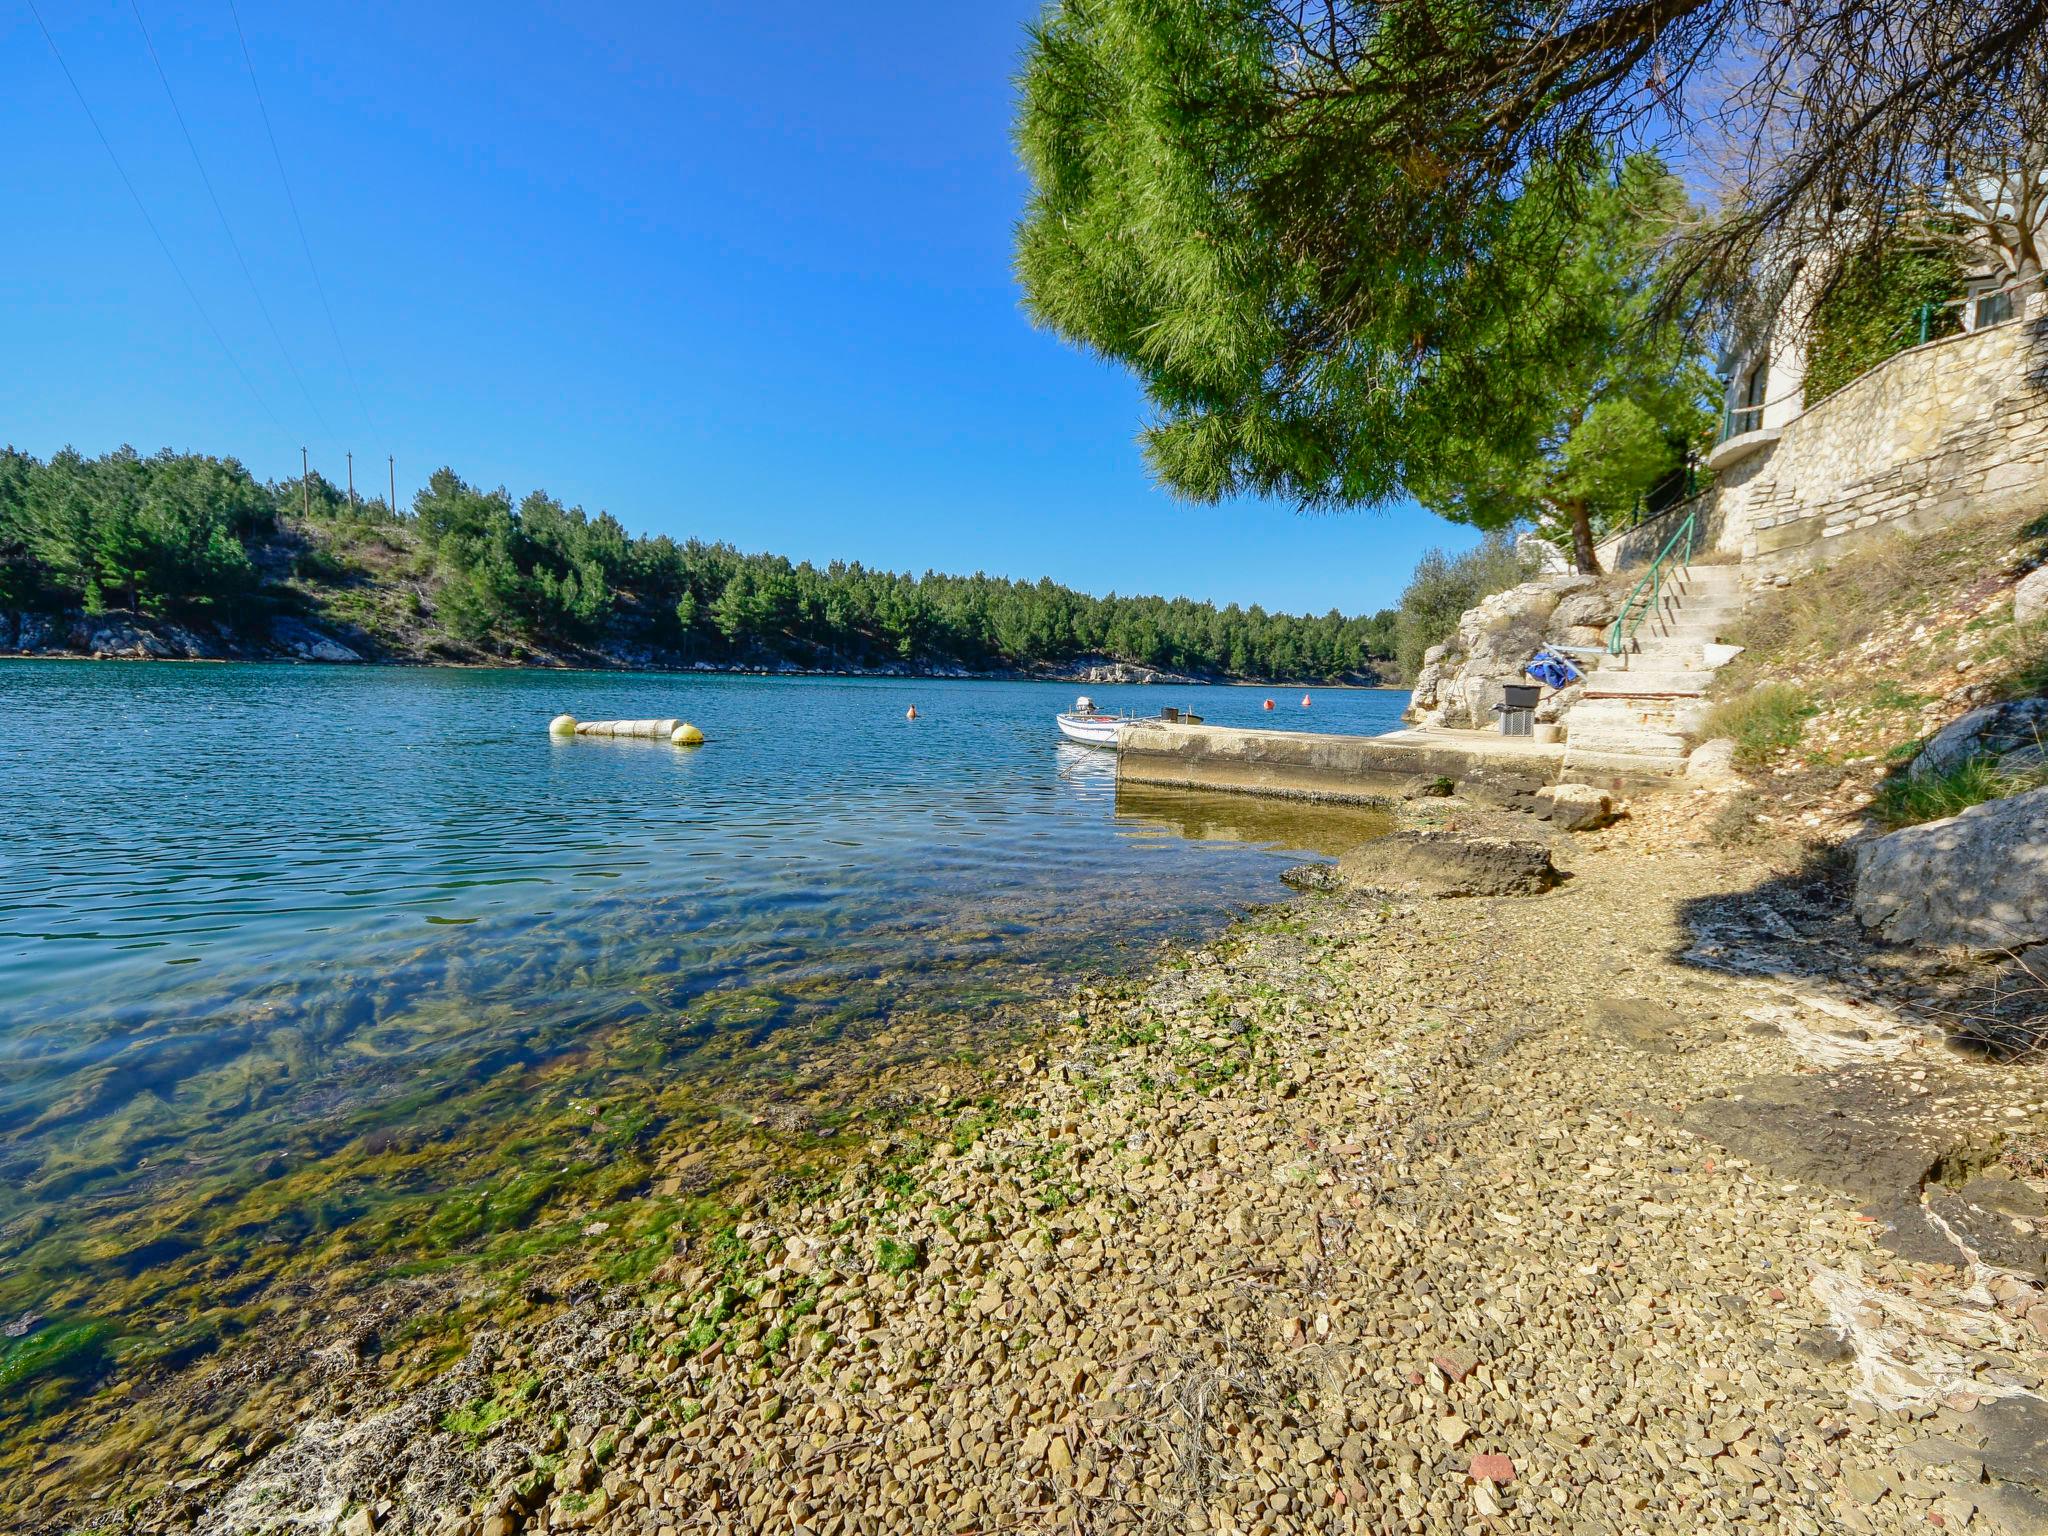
[(1374, 1215)]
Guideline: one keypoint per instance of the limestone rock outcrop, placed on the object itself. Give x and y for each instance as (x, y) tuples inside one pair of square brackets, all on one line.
[(2014, 734), (1462, 680), (304, 641), (1978, 880)]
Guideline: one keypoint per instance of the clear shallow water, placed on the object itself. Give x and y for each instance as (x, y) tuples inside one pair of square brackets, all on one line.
[(248, 912)]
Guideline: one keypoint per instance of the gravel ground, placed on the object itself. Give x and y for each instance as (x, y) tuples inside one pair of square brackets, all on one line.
[(1376, 1215)]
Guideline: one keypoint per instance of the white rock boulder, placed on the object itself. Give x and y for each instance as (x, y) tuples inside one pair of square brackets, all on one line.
[(1575, 807), (1978, 880), (1460, 681), (1712, 762), (2030, 599)]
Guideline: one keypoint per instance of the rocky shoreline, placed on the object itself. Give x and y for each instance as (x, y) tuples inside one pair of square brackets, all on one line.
[(1608, 1210)]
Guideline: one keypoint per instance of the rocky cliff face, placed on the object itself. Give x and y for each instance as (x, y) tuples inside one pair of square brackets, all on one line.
[(133, 637), (1464, 678)]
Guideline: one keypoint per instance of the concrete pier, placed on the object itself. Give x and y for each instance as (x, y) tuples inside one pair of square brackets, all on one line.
[(1480, 765)]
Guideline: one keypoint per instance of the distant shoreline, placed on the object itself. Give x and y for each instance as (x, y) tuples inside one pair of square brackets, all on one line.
[(696, 669)]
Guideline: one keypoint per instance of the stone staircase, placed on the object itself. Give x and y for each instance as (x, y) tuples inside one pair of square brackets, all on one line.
[(1626, 724)]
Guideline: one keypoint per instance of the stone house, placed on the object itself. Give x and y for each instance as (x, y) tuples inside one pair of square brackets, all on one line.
[(1927, 432)]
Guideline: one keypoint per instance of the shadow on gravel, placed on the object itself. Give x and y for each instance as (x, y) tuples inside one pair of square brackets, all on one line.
[(1861, 1118), (1798, 927)]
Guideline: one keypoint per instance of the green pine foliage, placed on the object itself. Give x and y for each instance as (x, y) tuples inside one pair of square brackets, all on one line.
[(1318, 301), (169, 533), (194, 538)]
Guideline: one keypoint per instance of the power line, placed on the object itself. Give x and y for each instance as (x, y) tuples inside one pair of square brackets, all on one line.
[(304, 244), (141, 208), (222, 214)]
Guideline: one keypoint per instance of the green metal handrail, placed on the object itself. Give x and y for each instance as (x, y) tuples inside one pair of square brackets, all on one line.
[(1649, 592)]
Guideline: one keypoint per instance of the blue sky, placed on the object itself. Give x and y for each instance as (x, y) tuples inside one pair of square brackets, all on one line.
[(729, 270)]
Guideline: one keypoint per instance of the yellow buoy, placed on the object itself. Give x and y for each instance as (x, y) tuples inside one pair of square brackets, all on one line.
[(562, 725), (686, 735)]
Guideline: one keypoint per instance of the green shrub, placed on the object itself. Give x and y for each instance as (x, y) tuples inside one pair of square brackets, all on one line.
[(1761, 721), (316, 563), (1904, 801), (1443, 587)]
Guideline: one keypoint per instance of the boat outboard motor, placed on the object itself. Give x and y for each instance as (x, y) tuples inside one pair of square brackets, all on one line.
[(1084, 705)]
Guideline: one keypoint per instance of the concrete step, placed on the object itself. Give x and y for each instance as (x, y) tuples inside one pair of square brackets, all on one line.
[(1613, 711), (1689, 617), (1618, 770), (1692, 618), (1640, 683), (1694, 631), (1647, 744), (1671, 646)]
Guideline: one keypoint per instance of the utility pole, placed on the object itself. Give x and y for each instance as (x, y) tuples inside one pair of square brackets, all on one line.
[(305, 485), (351, 482), (391, 464)]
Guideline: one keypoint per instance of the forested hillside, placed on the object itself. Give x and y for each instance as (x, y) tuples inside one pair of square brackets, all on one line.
[(195, 556)]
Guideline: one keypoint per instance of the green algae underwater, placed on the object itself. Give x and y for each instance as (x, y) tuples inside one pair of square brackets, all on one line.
[(316, 979)]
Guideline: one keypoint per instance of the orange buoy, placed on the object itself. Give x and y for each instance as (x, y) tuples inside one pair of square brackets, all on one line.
[(1304, 701), (1269, 703), (910, 713)]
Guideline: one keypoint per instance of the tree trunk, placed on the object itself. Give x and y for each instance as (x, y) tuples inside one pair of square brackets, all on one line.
[(1583, 553)]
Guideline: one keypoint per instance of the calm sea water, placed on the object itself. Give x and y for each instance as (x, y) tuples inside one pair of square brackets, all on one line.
[(246, 911)]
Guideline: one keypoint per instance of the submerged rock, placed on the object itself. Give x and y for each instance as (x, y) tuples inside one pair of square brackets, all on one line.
[(1442, 863)]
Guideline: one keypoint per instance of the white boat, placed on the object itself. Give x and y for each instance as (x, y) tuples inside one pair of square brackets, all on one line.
[(1088, 725)]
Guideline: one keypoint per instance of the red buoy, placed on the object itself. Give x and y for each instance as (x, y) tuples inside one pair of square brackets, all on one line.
[(1269, 703), (910, 713), (1304, 701)]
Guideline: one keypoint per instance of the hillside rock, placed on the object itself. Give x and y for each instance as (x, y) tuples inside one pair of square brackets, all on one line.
[(2030, 598), (1461, 680), (1445, 863), (113, 636), (309, 644), (2015, 733), (1978, 880), (1712, 762)]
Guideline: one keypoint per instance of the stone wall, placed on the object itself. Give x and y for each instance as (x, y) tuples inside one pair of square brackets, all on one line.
[(1932, 432), (1640, 545), (1929, 433)]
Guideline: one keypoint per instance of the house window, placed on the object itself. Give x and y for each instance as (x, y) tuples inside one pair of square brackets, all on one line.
[(1753, 387), (1993, 308), (1746, 414)]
